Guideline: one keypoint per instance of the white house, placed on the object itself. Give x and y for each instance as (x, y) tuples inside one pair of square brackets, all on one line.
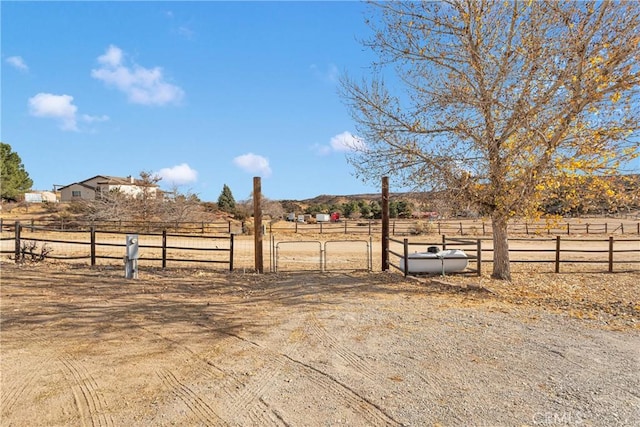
[(92, 188)]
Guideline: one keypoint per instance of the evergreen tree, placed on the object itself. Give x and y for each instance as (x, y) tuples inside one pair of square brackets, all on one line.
[(226, 202), (14, 178)]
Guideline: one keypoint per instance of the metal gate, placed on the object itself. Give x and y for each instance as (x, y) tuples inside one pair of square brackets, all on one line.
[(315, 255)]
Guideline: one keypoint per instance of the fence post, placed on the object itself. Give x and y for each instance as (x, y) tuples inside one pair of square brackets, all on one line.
[(606, 227), (231, 252), (439, 228), (345, 226), (526, 228), (92, 238), (479, 256), (405, 245), (461, 231), (622, 228), (587, 228), (164, 248), (444, 242), (17, 236), (610, 254), (568, 229), (369, 227), (320, 227), (558, 254), (483, 231)]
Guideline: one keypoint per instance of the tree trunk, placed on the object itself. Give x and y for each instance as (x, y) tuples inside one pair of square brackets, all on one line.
[(501, 267)]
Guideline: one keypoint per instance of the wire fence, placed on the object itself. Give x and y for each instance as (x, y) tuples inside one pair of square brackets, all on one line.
[(104, 247), (618, 254), (370, 227), (232, 252)]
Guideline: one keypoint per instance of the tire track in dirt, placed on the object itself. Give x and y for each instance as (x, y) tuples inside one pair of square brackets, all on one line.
[(354, 360), (12, 392), (89, 402), (246, 392), (373, 413), (88, 399), (241, 393), (195, 403)]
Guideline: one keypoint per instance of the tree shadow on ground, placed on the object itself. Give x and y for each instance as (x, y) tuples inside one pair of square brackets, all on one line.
[(95, 302)]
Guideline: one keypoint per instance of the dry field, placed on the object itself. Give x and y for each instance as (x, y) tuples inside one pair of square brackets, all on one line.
[(86, 347)]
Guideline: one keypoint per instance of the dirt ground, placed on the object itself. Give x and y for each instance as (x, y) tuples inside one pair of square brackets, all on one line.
[(86, 347)]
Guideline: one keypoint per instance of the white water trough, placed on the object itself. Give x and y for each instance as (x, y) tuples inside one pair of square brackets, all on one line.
[(432, 262)]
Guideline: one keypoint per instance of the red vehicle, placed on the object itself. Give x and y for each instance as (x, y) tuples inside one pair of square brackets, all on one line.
[(335, 216)]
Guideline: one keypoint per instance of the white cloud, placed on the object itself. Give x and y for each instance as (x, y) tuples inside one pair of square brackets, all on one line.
[(94, 119), (146, 86), (329, 74), (341, 143), (61, 108), (179, 174), (17, 62), (253, 163), (57, 107)]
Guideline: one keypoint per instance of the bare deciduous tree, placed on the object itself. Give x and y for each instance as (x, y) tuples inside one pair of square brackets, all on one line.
[(495, 101)]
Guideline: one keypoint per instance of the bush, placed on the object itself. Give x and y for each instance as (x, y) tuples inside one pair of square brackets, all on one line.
[(29, 251)]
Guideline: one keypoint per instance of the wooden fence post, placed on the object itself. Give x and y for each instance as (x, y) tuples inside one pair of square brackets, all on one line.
[(231, 252), (444, 242), (92, 239), (164, 248), (385, 224), (405, 245), (17, 238), (558, 254), (461, 230), (610, 254), (479, 256), (257, 225)]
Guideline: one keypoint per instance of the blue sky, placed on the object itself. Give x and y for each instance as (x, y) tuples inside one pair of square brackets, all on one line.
[(201, 93)]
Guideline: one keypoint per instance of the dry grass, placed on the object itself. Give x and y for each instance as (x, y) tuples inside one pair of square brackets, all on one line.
[(612, 299)]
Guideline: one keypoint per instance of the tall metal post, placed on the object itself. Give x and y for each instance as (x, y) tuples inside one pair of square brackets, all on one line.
[(257, 224), (385, 223)]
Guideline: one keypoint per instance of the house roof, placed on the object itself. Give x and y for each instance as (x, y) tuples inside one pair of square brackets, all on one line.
[(109, 180)]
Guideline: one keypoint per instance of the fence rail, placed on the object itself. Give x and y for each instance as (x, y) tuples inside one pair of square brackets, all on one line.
[(93, 245), (617, 253), (612, 251), (397, 227)]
